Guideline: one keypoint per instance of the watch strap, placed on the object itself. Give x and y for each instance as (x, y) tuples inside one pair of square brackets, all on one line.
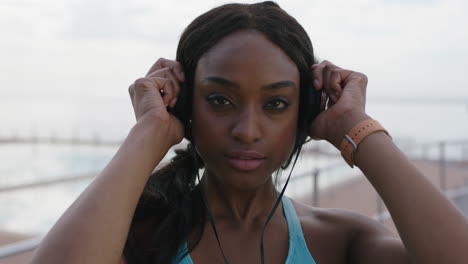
[(350, 142)]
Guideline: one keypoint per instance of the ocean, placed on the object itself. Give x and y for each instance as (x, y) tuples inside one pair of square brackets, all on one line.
[(418, 128)]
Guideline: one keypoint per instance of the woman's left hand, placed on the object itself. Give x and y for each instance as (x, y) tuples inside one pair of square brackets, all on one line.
[(347, 92)]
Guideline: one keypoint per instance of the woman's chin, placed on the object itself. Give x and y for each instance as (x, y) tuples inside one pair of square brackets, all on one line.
[(244, 181)]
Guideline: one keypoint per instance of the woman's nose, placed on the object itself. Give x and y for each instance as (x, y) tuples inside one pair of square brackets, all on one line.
[(246, 127)]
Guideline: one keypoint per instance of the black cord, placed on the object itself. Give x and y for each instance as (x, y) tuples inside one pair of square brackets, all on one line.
[(212, 221), (262, 250), (213, 225)]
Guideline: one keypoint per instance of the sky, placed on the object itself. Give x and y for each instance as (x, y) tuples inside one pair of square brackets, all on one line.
[(66, 65), (81, 48)]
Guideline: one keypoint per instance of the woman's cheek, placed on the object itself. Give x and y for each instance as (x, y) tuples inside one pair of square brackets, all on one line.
[(287, 138)]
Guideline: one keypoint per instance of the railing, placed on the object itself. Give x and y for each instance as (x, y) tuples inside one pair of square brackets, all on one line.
[(19, 247), (53, 140), (447, 169), (46, 182), (314, 184)]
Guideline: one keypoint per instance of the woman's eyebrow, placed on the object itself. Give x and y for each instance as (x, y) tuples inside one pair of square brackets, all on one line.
[(230, 84)]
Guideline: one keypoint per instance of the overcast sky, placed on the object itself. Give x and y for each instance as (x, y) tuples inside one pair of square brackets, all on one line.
[(69, 48)]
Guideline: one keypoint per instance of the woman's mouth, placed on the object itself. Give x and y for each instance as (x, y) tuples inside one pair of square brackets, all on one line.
[(245, 160)]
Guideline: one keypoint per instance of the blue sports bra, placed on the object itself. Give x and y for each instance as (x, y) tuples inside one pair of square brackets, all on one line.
[(297, 252)]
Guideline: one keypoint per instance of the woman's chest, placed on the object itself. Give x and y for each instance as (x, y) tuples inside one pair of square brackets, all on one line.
[(242, 246), (327, 244)]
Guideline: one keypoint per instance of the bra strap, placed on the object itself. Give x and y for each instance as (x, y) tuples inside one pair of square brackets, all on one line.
[(294, 225)]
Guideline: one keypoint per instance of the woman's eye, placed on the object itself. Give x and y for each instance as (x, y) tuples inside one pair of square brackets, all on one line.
[(217, 100), (278, 104)]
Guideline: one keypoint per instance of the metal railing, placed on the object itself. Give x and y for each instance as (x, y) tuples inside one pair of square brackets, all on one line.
[(20, 247), (447, 159)]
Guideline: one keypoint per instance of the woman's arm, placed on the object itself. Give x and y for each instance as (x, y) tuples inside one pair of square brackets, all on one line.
[(432, 229), (95, 227)]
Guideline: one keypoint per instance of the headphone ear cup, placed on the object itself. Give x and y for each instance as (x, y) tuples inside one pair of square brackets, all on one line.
[(183, 109), (315, 100), (311, 102)]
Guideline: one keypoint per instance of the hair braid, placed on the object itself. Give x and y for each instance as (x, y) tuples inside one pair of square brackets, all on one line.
[(172, 200)]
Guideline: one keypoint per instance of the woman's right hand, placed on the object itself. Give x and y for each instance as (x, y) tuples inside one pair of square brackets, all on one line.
[(152, 94)]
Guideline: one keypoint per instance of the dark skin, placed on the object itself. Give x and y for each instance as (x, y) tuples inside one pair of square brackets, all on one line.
[(251, 118), (95, 227), (241, 201)]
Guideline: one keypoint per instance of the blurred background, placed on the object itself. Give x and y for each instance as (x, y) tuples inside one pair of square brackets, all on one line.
[(65, 68)]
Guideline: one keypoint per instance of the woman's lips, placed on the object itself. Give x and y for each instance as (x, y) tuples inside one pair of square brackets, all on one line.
[(244, 164), (244, 160)]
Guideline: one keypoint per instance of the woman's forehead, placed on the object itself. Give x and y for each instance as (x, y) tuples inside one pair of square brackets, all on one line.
[(246, 52)]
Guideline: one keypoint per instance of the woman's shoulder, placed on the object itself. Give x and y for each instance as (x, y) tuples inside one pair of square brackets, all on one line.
[(333, 231), (330, 222), (346, 219)]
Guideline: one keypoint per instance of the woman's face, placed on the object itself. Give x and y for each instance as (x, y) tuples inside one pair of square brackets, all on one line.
[(246, 98)]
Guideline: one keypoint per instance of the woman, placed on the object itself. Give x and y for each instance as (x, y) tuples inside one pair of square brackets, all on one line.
[(249, 77)]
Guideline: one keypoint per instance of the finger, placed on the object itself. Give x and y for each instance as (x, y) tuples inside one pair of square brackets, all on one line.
[(173, 90), (170, 90), (318, 73), (145, 84), (335, 85), (348, 75), (179, 71), (131, 92), (168, 73), (326, 74), (161, 84), (175, 66), (157, 65), (317, 76), (355, 84), (145, 89)]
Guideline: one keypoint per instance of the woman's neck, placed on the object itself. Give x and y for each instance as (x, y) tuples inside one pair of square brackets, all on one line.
[(228, 203)]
